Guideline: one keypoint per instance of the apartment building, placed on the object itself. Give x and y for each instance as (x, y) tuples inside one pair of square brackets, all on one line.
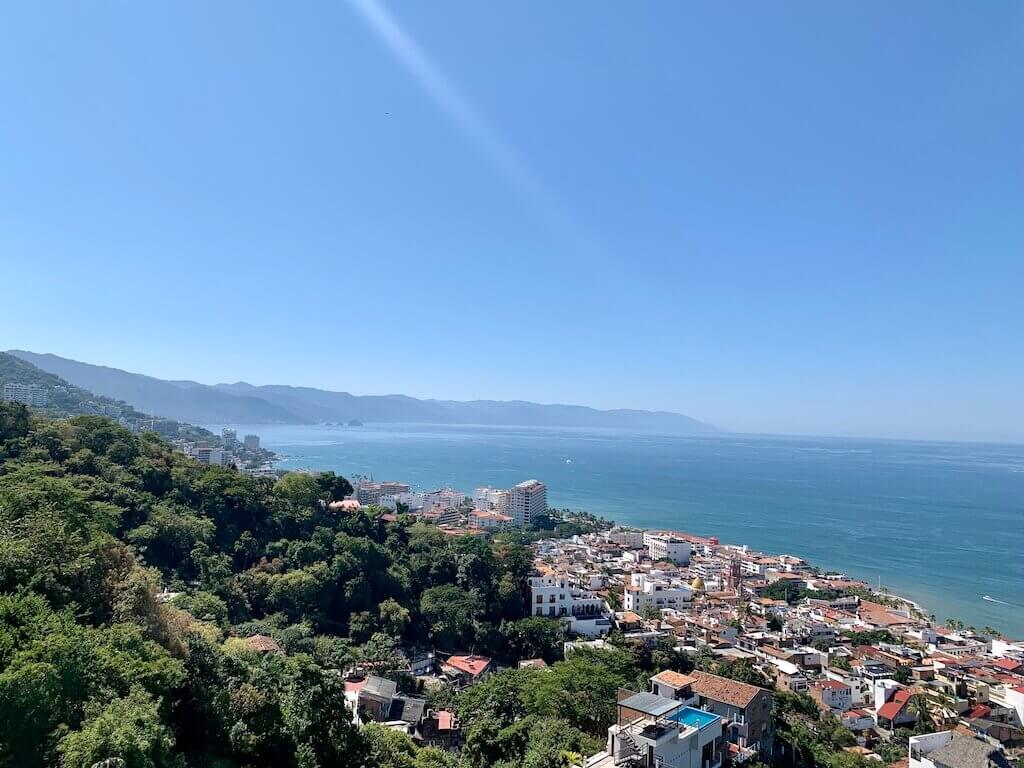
[(665, 546), (584, 612), (527, 500), (29, 394), (491, 499), (657, 591)]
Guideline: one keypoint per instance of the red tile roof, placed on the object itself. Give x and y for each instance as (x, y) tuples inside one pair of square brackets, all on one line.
[(723, 689), (892, 709), (472, 664)]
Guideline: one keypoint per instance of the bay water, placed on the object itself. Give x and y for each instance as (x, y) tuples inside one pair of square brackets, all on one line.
[(941, 523)]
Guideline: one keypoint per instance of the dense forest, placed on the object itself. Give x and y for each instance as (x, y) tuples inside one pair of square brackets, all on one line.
[(130, 576)]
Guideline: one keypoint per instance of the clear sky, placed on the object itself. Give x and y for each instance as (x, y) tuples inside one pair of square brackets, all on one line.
[(783, 217)]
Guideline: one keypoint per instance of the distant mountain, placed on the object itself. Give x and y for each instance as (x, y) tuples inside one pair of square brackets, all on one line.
[(276, 403), (182, 400)]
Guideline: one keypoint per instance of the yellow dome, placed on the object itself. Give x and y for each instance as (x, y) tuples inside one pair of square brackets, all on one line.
[(697, 585)]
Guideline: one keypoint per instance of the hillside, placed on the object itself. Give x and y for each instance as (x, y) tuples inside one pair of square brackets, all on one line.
[(245, 403)]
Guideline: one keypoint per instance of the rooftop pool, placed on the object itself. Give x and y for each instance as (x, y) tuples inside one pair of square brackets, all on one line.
[(694, 718)]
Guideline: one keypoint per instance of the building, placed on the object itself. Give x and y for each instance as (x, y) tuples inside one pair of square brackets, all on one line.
[(655, 591), (652, 731), (467, 669), (371, 493), (491, 499), (229, 436), (832, 695), (584, 612), (492, 521), (251, 442), (29, 394), (665, 546), (526, 501), (948, 749), (625, 538), (745, 709)]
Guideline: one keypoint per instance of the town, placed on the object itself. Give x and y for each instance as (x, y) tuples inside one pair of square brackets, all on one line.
[(755, 632)]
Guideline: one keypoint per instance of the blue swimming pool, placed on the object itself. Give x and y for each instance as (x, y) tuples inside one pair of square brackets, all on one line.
[(694, 718)]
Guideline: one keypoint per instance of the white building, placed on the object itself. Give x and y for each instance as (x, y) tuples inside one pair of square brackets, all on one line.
[(486, 519), (229, 436), (526, 501), (655, 590), (665, 546), (491, 499), (657, 732), (947, 749), (29, 394), (413, 500), (584, 612), (449, 498), (625, 538)]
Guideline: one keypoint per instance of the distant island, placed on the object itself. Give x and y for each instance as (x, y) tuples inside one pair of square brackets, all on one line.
[(243, 403)]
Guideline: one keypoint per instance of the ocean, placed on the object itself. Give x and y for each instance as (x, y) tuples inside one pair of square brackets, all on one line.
[(940, 523)]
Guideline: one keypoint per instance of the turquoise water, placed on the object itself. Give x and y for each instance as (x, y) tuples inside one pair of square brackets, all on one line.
[(942, 523), (695, 718)]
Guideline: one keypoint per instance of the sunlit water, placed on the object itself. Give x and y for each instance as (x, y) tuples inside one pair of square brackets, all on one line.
[(942, 523)]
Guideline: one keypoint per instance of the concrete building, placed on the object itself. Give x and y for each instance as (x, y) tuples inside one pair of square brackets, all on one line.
[(526, 501), (29, 394), (745, 709), (491, 499), (584, 612), (652, 731), (229, 436), (371, 493), (655, 590), (251, 442), (489, 520), (947, 749), (665, 546), (832, 695)]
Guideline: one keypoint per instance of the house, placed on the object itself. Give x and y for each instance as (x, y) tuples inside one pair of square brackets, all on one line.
[(653, 731), (745, 709), (439, 728), (891, 706), (467, 669), (832, 695), (949, 749), (378, 700)]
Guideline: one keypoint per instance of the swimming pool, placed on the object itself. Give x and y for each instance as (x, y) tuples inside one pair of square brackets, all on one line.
[(695, 718)]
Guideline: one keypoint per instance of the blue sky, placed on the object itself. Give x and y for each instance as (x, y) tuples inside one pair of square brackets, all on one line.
[(774, 217)]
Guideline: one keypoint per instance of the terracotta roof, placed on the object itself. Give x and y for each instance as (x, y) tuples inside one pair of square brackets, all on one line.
[(472, 664), (831, 684), (723, 689), (1007, 664), (673, 679), (892, 709)]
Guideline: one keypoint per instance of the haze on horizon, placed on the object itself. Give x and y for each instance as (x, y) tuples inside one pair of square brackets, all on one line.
[(788, 219)]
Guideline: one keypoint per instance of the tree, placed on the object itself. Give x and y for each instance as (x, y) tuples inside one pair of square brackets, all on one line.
[(902, 674), (394, 618), (334, 487), (128, 729), (389, 748), (451, 614), (534, 637)]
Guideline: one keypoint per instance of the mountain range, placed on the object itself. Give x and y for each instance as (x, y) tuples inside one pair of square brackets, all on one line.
[(243, 403)]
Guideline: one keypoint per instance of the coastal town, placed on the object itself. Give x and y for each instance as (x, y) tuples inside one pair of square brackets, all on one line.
[(754, 628)]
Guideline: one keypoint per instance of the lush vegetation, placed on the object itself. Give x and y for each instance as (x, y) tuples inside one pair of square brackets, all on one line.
[(95, 521)]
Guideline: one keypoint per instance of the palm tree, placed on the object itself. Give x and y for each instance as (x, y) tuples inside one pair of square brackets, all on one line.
[(991, 632)]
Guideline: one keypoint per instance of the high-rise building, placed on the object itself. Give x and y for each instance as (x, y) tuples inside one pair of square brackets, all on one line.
[(252, 442), (229, 436), (526, 501), (29, 394)]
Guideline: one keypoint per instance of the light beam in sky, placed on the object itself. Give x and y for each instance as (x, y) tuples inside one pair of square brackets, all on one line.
[(443, 92)]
